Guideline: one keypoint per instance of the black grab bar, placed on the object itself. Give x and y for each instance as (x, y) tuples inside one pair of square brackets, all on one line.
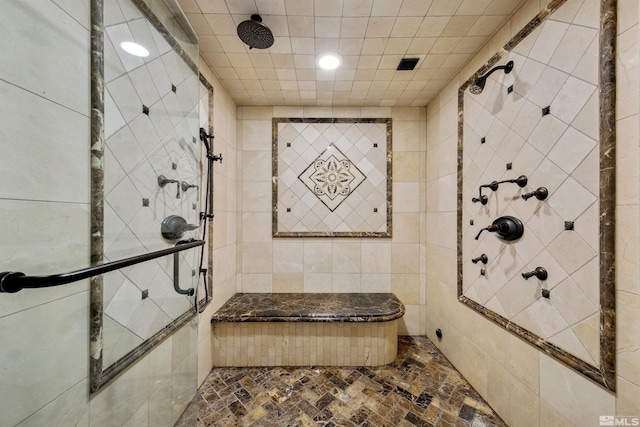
[(11, 282)]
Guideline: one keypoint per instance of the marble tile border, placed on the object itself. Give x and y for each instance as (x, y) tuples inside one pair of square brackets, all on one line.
[(96, 297), (99, 376), (605, 374), (141, 350), (274, 185)]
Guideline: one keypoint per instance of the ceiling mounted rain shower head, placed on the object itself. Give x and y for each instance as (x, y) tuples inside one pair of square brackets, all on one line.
[(255, 34), (477, 87)]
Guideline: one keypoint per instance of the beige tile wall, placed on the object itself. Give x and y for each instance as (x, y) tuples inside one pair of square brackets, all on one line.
[(224, 223), (557, 151), (526, 387), (304, 343), (154, 391), (394, 265)]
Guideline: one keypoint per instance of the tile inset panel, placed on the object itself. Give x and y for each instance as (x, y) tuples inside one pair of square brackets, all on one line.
[(332, 177), (540, 132)]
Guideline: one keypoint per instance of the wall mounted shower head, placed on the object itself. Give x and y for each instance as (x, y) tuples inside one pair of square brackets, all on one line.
[(478, 86), (255, 34)]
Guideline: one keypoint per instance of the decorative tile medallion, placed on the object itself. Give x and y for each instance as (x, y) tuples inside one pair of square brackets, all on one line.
[(332, 179)]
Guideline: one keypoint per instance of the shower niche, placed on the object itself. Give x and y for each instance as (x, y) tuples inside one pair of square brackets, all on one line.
[(535, 194)]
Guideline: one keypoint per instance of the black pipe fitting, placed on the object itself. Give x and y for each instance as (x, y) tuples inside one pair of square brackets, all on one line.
[(482, 258), (539, 272), (541, 193)]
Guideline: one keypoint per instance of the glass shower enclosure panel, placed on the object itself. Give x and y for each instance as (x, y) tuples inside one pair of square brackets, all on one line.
[(151, 194)]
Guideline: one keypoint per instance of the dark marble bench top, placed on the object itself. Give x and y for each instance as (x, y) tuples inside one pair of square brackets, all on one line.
[(316, 307)]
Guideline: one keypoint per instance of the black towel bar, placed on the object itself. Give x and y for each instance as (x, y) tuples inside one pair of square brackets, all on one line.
[(11, 282)]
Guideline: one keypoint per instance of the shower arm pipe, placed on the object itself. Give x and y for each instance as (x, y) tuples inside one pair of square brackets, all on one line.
[(11, 282), (493, 186), (482, 198), (521, 181), (506, 67)]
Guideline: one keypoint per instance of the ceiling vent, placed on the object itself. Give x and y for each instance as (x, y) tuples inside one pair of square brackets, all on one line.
[(407, 64)]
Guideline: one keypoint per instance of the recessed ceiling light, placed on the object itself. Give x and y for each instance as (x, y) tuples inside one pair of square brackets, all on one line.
[(134, 49), (329, 61)]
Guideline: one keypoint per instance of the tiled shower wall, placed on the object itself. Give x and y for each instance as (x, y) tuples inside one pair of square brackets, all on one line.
[(397, 264), (44, 215), (44, 212), (224, 222), (141, 145), (555, 66), (525, 386)]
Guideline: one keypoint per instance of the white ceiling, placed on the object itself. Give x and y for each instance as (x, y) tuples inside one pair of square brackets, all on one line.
[(371, 35)]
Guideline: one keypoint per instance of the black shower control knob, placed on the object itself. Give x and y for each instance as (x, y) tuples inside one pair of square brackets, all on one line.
[(482, 258), (507, 228), (539, 272)]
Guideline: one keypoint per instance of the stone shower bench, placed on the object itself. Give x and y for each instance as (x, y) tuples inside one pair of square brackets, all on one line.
[(310, 329)]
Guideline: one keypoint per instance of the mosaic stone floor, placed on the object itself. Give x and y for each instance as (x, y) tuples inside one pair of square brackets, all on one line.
[(420, 388)]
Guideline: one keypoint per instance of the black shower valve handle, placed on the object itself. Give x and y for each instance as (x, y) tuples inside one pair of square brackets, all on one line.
[(163, 180), (507, 228), (539, 272), (491, 228)]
